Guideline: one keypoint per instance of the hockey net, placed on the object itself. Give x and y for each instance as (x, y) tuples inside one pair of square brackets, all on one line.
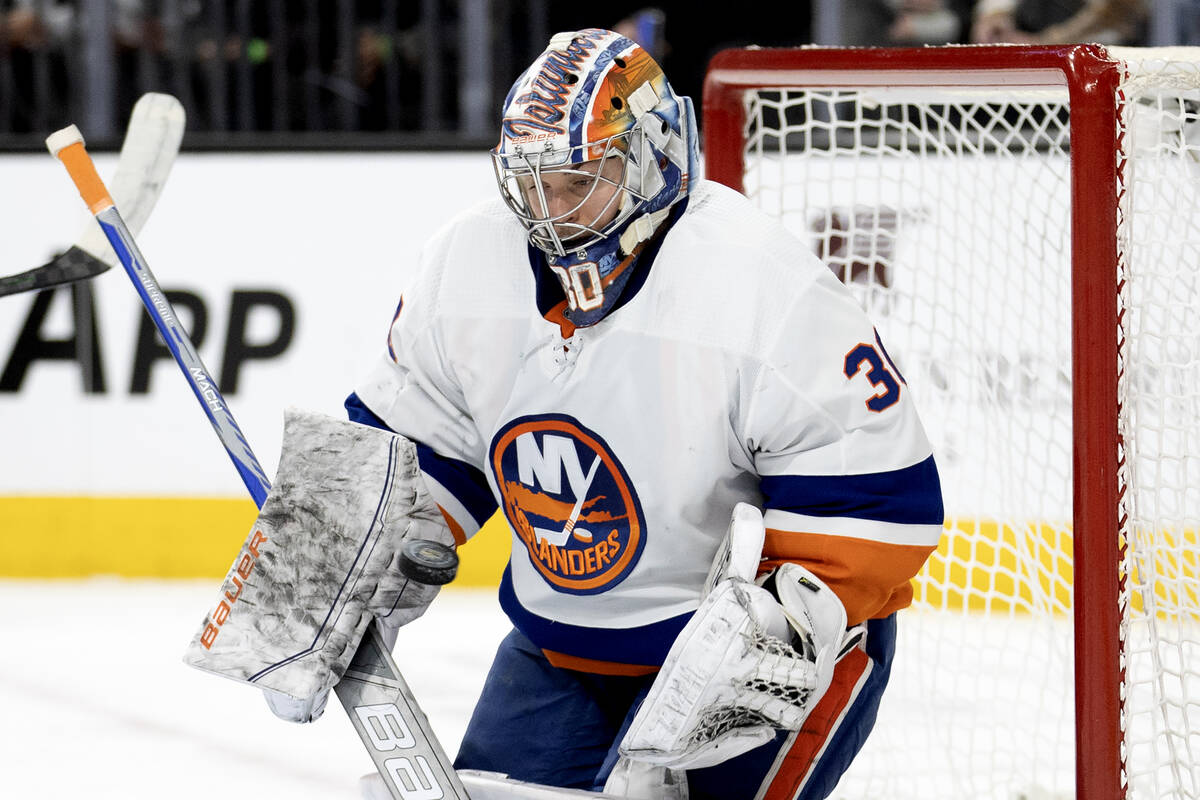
[(1023, 225)]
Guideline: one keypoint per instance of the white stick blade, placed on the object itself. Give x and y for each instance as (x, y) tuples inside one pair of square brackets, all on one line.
[(151, 143)]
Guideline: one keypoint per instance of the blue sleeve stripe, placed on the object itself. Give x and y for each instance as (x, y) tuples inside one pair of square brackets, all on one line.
[(645, 645), (358, 412), (468, 484), (912, 495)]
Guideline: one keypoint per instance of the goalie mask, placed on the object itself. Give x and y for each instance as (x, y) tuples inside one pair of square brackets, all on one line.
[(595, 148)]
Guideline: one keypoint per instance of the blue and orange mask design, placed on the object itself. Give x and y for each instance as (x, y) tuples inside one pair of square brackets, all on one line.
[(594, 148)]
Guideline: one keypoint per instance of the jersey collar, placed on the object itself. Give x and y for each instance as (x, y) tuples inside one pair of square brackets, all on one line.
[(549, 293)]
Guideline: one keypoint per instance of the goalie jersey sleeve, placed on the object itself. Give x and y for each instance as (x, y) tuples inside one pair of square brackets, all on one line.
[(849, 484), (411, 391)]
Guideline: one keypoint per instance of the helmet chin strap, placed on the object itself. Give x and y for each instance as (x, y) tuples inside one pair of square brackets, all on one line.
[(642, 229), (641, 102)]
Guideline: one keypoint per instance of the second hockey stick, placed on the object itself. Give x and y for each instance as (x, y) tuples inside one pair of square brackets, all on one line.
[(147, 154), (382, 709)]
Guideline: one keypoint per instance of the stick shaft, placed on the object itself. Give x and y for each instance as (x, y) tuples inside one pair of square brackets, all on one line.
[(67, 145), (151, 144), (181, 347), (360, 694), (147, 155)]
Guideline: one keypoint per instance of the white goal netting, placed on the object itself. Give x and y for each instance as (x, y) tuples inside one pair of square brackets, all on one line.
[(948, 212)]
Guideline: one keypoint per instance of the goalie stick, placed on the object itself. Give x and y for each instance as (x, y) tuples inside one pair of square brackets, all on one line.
[(147, 154), (381, 708)]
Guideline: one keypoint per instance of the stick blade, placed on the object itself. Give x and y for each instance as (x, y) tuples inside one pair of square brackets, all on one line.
[(73, 265), (151, 143)]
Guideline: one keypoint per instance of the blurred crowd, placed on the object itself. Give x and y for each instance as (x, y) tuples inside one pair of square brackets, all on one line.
[(239, 65), (402, 65), (921, 22)]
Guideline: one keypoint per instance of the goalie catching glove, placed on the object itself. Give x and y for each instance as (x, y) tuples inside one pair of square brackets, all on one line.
[(320, 563), (748, 663)]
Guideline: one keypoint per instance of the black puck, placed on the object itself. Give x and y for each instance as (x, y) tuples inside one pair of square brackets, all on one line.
[(428, 562)]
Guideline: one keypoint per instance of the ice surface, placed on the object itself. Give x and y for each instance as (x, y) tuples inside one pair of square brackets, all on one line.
[(96, 702)]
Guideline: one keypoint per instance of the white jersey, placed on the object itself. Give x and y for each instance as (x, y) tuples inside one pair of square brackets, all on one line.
[(737, 369)]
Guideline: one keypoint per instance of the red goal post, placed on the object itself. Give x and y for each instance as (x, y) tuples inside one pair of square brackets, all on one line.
[(871, 153)]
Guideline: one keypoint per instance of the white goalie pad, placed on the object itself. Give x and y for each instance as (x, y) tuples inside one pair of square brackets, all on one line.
[(320, 561), (640, 780)]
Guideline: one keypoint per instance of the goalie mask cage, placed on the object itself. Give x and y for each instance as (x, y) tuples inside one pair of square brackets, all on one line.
[(1023, 226)]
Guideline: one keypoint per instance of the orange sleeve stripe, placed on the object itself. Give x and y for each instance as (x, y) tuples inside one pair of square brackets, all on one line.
[(870, 578), (460, 537), (595, 666)]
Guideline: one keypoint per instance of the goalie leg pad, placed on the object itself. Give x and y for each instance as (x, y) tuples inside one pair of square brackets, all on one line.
[(320, 560), (813, 761), (638, 780)]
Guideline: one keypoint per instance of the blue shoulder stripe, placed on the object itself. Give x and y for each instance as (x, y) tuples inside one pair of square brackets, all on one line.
[(911, 496), (462, 480), (468, 484)]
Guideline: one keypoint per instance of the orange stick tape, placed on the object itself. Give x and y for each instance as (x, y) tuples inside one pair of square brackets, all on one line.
[(83, 172)]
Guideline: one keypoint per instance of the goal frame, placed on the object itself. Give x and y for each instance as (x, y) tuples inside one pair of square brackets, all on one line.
[(1091, 78)]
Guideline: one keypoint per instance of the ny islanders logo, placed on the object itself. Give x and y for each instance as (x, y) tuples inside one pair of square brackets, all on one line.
[(570, 502)]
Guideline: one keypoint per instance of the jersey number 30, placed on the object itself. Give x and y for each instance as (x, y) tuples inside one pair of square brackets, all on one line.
[(868, 356), (584, 297)]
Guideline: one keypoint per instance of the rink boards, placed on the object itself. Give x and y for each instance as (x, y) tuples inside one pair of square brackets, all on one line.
[(292, 265)]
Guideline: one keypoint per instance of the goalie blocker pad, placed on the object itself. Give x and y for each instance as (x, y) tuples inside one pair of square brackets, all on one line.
[(321, 558)]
